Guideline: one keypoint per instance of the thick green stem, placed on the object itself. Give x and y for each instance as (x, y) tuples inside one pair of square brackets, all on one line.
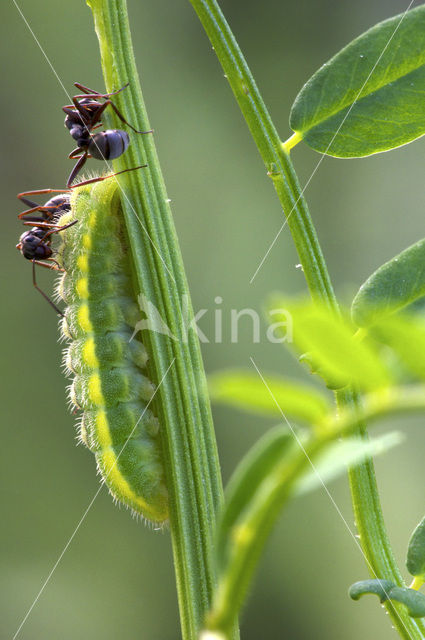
[(368, 512), (191, 462)]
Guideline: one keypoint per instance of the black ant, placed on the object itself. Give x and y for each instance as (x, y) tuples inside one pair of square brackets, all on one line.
[(35, 244), (82, 117)]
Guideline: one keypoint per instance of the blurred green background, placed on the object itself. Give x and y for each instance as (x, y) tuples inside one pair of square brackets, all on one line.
[(116, 578)]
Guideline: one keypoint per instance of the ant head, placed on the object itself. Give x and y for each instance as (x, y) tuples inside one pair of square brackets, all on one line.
[(33, 246), (77, 128)]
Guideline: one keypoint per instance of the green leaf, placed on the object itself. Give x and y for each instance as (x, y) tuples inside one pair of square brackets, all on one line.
[(370, 96), (247, 391), (415, 561), (396, 284), (331, 347), (405, 334), (341, 455), (254, 499), (249, 474)]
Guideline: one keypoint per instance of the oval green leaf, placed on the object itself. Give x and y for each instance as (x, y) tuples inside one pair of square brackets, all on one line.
[(396, 284), (405, 334), (247, 391), (329, 340), (260, 460), (253, 502), (415, 561), (341, 455), (370, 96)]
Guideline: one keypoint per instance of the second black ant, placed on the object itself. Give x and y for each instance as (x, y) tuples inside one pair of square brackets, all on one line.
[(84, 116), (36, 243)]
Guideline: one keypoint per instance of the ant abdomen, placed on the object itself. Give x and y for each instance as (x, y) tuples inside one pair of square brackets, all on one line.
[(109, 144), (58, 205)]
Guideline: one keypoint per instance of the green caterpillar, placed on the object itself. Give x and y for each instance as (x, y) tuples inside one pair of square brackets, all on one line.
[(110, 383)]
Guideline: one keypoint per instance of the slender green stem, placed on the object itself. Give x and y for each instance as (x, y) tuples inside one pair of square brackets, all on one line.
[(368, 512), (191, 462), (276, 160)]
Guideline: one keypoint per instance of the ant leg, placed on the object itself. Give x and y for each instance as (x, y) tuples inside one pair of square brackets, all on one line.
[(75, 152), (95, 116), (48, 265), (86, 90), (38, 222), (69, 109), (78, 166), (96, 94), (58, 267), (42, 224), (56, 228), (45, 296), (37, 192), (73, 155), (66, 226), (34, 206), (111, 175), (119, 114), (88, 118), (81, 109), (29, 203), (47, 210)]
